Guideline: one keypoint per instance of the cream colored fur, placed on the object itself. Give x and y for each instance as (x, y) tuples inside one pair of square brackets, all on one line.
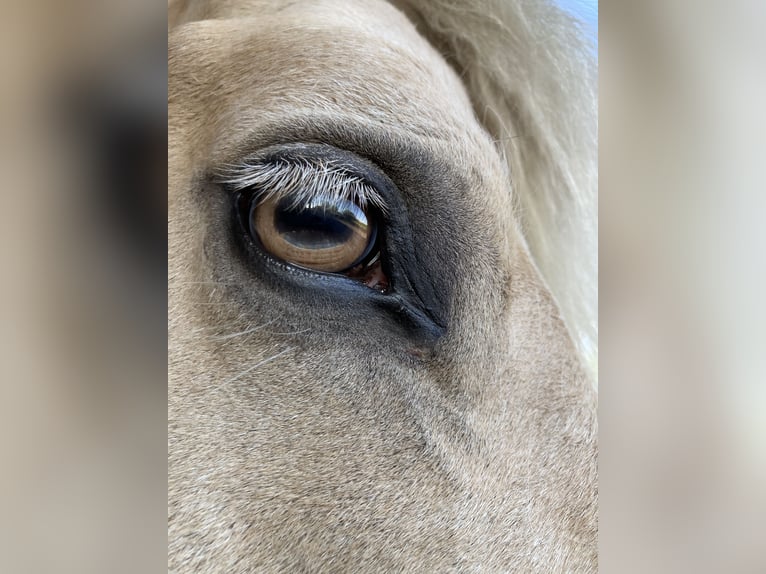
[(294, 452)]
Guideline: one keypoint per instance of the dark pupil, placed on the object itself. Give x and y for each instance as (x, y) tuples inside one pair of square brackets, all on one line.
[(318, 226)]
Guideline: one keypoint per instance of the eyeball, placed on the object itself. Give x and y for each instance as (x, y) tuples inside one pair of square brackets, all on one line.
[(330, 235)]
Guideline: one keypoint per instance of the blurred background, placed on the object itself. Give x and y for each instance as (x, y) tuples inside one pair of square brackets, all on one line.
[(682, 278), (83, 134)]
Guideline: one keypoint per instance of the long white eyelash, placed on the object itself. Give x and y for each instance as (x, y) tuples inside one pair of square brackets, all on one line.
[(302, 181)]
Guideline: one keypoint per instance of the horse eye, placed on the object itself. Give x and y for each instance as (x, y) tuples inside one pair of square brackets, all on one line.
[(323, 234)]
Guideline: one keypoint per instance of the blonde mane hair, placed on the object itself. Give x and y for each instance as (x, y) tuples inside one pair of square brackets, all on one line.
[(531, 75)]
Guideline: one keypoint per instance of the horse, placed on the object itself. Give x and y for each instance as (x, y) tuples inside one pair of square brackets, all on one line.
[(381, 287)]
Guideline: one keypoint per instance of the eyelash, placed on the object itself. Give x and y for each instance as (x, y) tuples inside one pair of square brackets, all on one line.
[(303, 181)]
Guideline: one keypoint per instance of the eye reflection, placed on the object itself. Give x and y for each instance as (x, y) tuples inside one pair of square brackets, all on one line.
[(329, 235)]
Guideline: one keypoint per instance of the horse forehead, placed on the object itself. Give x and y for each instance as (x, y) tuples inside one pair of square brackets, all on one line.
[(332, 21), (372, 64), (357, 13)]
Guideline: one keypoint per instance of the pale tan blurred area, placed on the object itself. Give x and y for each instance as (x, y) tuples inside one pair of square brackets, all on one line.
[(82, 342), (682, 284)]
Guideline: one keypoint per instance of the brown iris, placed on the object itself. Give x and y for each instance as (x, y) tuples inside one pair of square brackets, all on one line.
[(329, 235)]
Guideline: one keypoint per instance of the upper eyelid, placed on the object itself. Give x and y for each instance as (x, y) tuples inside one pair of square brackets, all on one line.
[(301, 180)]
